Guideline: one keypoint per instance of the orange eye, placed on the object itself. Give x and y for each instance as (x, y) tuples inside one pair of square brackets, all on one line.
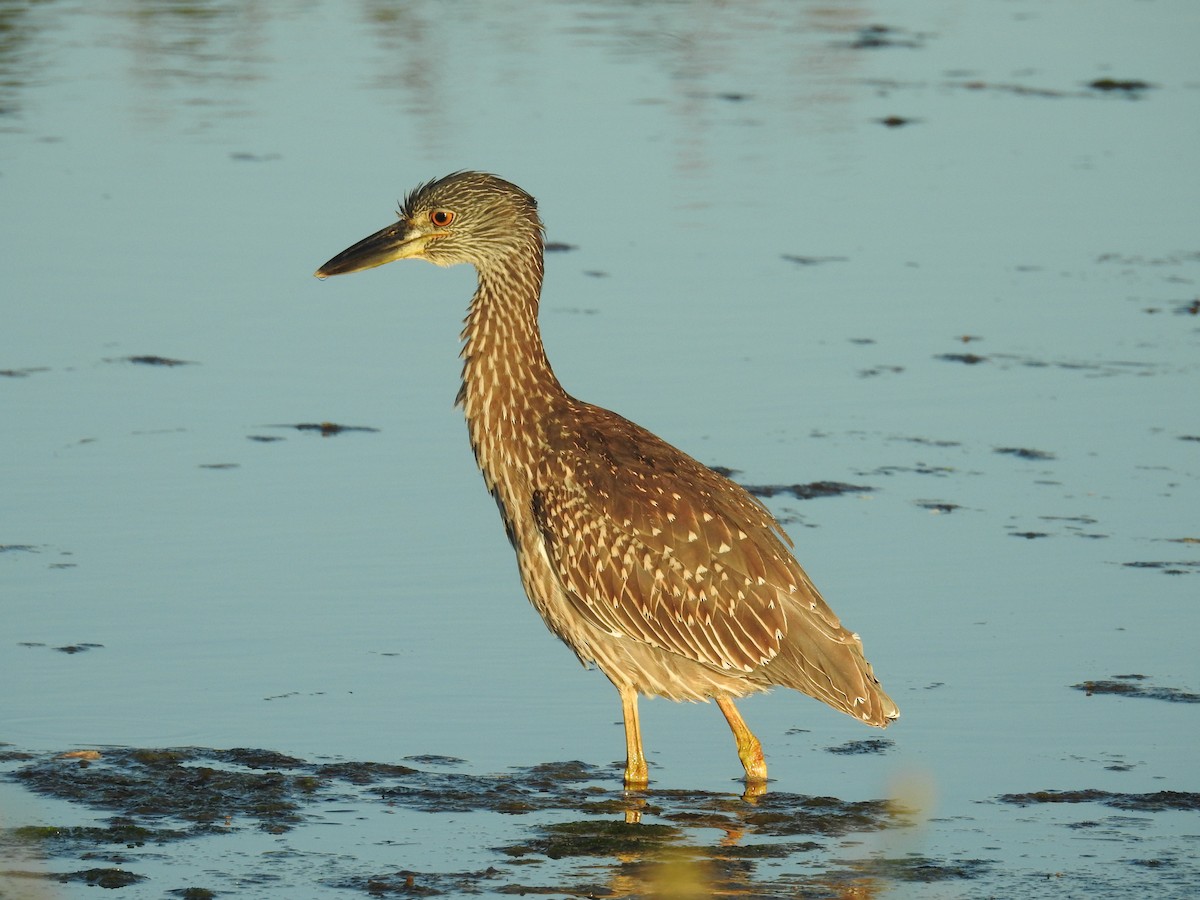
[(441, 217)]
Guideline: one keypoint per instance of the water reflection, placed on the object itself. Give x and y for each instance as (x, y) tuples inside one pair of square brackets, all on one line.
[(661, 846), (20, 62), (185, 58), (201, 58), (192, 63)]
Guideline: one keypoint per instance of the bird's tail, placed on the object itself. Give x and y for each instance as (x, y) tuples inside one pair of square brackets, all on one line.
[(832, 668)]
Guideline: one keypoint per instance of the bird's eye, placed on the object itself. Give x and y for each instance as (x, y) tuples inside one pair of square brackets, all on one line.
[(441, 217)]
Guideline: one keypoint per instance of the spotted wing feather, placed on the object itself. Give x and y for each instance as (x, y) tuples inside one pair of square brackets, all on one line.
[(651, 545)]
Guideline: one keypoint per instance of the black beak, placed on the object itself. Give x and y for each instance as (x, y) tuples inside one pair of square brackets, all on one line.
[(384, 246)]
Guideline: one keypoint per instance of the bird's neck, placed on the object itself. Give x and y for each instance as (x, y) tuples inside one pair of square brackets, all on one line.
[(508, 387)]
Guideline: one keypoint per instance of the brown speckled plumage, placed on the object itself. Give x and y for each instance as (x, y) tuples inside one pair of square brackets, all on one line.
[(671, 579)]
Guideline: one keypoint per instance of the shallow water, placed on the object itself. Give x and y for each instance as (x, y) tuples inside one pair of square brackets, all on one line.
[(929, 259)]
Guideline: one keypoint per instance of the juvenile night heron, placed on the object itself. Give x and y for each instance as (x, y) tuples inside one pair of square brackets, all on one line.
[(670, 578)]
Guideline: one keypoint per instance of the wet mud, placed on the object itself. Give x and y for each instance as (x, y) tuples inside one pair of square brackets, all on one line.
[(573, 832), (150, 799)]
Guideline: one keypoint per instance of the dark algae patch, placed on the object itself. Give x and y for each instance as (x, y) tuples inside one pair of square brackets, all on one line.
[(411, 883), (861, 748), (78, 648), (921, 869), (791, 815), (1136, 686), (105, 878), (363, 772), (329, 429), (152, 360), (195, 790), (1131, 86), (1024, 453), (1167, 567), (1157, 801), (564, 829), (877, 37), (120, 830), (595, 837), (112, 877), (563, 814), (809, 491), (812, 260), (968, 359)]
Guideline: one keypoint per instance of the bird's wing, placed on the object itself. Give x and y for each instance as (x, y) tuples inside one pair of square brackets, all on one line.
[(650, 544)]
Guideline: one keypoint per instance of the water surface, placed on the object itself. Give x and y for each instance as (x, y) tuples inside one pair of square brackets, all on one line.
[(944, 252)]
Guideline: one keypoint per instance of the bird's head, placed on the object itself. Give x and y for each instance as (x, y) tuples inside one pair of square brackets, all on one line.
[(467, 217)]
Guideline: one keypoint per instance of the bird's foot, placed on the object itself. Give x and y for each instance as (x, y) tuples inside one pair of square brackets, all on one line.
[(750, 752), (755, 791), (637, 773)]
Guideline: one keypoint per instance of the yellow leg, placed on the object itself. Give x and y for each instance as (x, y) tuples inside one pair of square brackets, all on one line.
[(636, 774), (750, 751)]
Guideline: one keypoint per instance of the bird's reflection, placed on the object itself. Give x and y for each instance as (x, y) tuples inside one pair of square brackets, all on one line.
[(660, 853), (660, 842), (636, 800)]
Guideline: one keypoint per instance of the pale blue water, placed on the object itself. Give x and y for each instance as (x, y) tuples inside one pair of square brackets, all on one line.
[(171, 175)]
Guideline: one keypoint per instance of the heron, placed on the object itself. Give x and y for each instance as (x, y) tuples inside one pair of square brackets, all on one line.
[(668, 577)]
